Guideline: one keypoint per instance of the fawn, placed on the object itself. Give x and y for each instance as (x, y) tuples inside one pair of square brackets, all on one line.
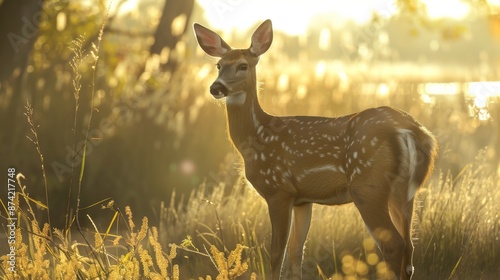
[(377, 158)]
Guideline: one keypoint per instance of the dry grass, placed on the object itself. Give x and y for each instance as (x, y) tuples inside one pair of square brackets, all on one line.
[(133, 253)]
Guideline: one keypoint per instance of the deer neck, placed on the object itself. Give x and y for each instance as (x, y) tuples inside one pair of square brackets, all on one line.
[(245, 115)]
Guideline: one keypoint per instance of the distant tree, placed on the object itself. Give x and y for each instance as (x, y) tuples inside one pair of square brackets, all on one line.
[(19, 23)]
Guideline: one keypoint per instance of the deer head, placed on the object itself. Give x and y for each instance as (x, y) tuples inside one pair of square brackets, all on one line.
[(236, 66)]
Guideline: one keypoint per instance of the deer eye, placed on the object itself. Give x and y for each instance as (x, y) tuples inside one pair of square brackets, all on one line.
[(242, 66), (217, 65)]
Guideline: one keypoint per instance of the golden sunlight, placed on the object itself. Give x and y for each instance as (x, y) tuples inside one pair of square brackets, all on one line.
[(453, 9), (493, 2), (291, 17), (294, 16)]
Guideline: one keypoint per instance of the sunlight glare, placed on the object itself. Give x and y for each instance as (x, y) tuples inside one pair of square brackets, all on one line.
[(301, 91), (204, 72), (125, 7), (292, 17), (453, 9), (427, 99), (481, 101), (488, 89), (320, 70), (382, 90), (372, 259), (179, 24), (439, 88), (480, 95), (283, 83), (494, 2), (187, 166), (324, 39), (61, 21)]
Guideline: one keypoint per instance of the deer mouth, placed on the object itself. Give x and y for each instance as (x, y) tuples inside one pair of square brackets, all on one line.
[(218, 90)]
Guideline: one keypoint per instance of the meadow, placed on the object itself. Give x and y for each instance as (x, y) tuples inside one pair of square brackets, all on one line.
[(125, 176)]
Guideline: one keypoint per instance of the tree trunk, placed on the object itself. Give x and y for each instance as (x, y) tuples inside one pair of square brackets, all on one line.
[(167, 35)]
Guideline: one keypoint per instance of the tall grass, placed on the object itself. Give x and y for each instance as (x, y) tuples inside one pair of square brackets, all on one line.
[(459, 225)]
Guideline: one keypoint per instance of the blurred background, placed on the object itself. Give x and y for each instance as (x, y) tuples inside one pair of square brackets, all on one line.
[(154, 126)]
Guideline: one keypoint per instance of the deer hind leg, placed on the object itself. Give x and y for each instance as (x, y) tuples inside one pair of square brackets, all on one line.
[(401, 211), (298, 235), (372, 203)]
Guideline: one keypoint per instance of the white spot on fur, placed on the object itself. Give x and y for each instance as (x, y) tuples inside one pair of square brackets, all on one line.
[(236, 98), (409, 269), (409, 157), (260, 128), (322, 168)]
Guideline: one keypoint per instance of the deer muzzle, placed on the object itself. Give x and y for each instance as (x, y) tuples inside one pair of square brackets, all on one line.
[(218, 90)]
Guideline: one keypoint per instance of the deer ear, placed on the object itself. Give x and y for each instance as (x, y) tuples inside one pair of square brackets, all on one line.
[(262, 38), (210, 42)]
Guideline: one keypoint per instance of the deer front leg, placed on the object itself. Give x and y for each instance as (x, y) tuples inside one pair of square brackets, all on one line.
[(280, 212), (298, 235)]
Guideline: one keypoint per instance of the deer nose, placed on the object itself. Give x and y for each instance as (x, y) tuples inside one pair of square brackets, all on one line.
[(218, 90)]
